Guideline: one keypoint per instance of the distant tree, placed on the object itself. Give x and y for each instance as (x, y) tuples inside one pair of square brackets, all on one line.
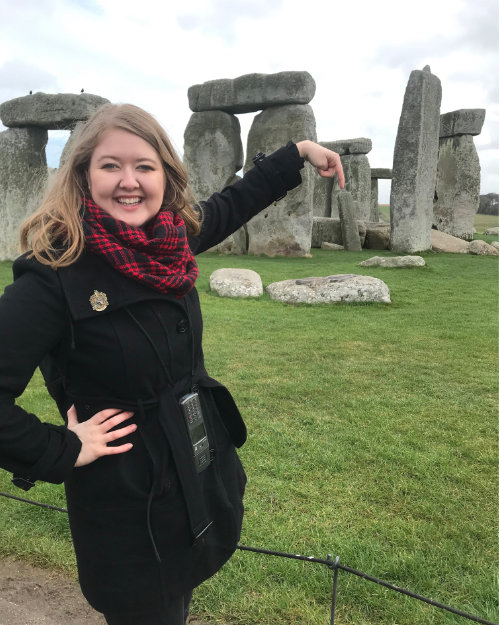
[(488, 204)]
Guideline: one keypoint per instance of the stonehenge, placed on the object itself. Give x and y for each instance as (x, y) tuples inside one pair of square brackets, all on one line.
[(285, 114), (435, 177), (23, 164)]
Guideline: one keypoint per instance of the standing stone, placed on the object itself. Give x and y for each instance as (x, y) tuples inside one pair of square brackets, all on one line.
[(285, 228), (213, 151), (377, 236), (458, 181), (322, 197), (376, 175), (415, 163), (23, 178), (357, 174), (52, 111), (252, 92), (358, 183), (374, 209), (326, 230), (350, 234), (70, 142)]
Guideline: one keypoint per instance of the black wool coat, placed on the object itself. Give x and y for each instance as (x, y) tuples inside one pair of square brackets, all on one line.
[(144, 523)]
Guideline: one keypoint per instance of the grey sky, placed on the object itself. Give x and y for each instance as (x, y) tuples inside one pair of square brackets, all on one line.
[(360, 54)]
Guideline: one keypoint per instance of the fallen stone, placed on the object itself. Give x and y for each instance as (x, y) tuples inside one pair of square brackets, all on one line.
[(462, 122), (59, 111), (344, 147), (442, 242), (481, 248), (394, 261), (491, 230), (331, 246), (236, 283), (252, 92), (347, 288)]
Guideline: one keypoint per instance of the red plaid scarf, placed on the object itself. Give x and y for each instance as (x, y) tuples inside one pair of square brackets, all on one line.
[(158, 255)]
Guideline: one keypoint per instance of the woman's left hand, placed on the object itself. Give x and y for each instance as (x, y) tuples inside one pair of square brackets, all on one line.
[(326, 161)]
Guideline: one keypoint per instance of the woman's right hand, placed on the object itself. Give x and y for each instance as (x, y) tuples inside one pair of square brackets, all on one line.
[(95, 433)]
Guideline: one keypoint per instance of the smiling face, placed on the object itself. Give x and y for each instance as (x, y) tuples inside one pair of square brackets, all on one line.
[(126, 177)]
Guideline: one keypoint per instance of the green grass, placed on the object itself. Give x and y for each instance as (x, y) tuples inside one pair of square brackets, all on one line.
[(372, 436)]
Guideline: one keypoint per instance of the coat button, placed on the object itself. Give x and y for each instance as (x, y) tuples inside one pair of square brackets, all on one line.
[(182, 326)]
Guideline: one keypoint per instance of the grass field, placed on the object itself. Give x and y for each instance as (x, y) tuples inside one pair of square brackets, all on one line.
[(372, 436)]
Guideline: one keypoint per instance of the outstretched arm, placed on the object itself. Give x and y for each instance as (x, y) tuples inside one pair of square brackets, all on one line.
[(326, 162)]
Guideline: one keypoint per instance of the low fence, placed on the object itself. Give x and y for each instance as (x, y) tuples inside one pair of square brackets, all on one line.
[(332, 563)]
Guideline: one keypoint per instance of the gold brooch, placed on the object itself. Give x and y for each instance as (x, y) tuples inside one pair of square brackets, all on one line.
[(98, 301)]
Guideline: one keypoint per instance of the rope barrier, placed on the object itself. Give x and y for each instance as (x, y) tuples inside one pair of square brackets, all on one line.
[(333, 565)]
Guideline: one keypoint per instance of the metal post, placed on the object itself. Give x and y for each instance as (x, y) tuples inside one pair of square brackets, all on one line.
[(335, 567)]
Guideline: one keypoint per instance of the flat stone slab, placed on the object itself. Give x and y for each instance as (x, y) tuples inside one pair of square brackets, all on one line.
[(331, 246), (491, 231), (236, 283), (330, 290), (393, 261), (252, 92), (383, 173), (481, 248), (442, 242), (344, 147), (461, 122), (60, 111)]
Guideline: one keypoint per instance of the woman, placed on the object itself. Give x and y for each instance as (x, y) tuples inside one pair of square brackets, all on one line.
[(104, 302)]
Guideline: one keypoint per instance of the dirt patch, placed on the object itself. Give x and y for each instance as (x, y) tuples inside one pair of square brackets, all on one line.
[(31, 595)]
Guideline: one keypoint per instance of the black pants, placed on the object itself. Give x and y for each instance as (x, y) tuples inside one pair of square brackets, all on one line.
[(175, 613)]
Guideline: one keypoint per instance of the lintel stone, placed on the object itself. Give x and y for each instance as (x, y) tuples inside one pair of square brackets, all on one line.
[(252, 92), (344, 147), (462, 122), (59, 111), (381, 173)]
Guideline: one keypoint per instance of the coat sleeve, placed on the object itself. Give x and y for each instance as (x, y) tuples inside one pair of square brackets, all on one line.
[(33, 317), (268, 181)]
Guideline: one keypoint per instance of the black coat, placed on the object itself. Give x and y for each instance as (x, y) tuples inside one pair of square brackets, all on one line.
[(136, 517)]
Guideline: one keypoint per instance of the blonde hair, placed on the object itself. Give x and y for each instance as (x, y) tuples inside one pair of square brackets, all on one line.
[(54, 233)]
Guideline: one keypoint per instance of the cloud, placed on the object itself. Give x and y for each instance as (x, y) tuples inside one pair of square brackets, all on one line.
[(16, 75), (220, 17)]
